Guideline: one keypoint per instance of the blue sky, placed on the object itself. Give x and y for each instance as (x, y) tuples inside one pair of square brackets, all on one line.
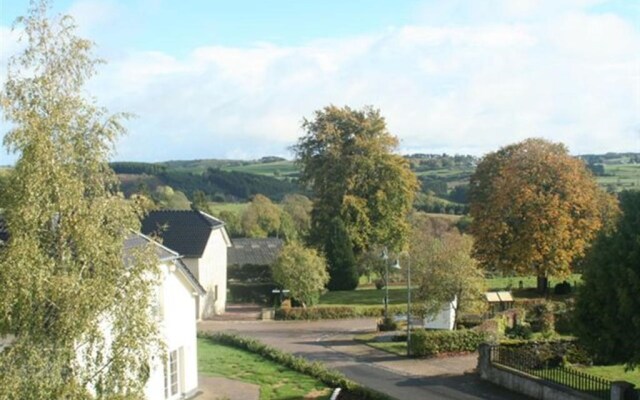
[(213, 79)]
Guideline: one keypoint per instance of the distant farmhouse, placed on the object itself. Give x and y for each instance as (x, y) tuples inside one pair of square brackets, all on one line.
[(203, 241)]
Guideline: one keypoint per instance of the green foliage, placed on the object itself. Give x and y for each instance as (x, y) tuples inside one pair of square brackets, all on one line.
[(387, 325), (425, 343), (343, 274), (261, 218), (442, 266), (535, 209), (346, 158), (129, 167), (302, 271), (317, 370), (336, 312), (232, 223), (62, 271), (298, 207), (168, 198), (607, 314)]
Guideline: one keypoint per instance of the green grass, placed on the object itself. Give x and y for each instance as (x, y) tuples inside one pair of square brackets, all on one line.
[(364, 297), (513, 282), (276, 382), (281, 168), (621, 177), (369, 339), (614, 373)]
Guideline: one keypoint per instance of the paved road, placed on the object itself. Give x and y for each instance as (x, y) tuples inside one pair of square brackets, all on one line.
[(331, 343)]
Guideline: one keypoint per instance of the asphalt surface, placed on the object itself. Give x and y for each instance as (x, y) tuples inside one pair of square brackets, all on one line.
[(331, 342)]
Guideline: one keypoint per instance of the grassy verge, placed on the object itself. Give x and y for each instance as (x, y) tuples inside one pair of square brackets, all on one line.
[(369, 339), (614, 373), (275, 381), (331, 378)]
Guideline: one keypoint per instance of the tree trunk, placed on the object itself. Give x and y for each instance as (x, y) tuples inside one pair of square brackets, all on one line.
[(543, 283)]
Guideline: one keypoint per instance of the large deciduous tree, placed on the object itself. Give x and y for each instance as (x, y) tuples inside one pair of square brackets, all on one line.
[(535, 209), (608, 305), (302, 271), (62, 275), (443, 267), (346, 157)]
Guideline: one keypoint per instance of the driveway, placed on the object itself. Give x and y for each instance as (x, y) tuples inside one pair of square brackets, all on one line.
[(331, 342)]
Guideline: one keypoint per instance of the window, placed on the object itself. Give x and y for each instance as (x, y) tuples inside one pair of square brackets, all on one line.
[(171, 375)]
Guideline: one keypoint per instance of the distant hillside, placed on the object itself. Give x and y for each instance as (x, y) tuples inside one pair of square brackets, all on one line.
[(444, 178)]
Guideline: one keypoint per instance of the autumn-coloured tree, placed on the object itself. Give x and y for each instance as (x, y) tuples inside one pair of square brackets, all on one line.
[(62, 276), (535, 209), (346, 157)]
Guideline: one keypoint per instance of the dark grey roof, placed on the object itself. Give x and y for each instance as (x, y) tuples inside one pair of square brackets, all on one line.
[(185, 231), (164, 254), (262, 251)]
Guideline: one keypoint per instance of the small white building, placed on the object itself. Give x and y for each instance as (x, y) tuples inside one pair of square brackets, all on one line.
[(445, 319), (203, 241), (176, 298)]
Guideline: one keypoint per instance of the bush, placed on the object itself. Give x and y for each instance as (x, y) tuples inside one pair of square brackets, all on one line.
[(336, 312), (387, 324), (430, 343), (520, 331), (562, 288), (331, 378), (549, 353), (542, 318)]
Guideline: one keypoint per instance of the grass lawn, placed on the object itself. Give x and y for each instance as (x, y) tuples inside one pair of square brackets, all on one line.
[(276, 381), (513, 282), (614, 373), (398, 348)]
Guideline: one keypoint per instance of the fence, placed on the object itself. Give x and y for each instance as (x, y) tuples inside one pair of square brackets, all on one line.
[(552, 370)]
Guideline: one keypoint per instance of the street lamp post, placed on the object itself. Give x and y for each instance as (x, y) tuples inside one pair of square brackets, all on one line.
[(397, 265), (385, 257)]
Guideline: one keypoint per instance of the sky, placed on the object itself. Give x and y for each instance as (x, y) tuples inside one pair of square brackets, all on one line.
[(236, 79)]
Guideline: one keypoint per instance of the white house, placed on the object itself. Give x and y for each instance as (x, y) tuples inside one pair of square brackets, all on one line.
[(176, 296), (203, 241)]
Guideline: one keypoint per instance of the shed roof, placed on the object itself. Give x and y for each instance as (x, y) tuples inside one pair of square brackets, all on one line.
[(498, 297), (254, 251), (185, 231)]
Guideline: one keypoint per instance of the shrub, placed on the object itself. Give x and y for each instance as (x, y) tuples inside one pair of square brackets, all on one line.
[(520, 331), (430, 343), (387, 324), (549, 353), (542, 318), (336, 312), (331, 378), (562, 288)]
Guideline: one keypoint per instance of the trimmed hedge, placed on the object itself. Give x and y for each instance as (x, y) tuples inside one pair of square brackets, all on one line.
[(426, 343), (336, 312), (350, 389)]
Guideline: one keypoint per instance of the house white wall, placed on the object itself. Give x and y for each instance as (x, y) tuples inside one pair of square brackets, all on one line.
[(211, 272), (177, 326), (444, 319)]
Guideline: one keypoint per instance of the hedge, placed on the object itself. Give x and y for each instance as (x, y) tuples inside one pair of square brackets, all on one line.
[(350, 389), (425, 343), (336, 312)]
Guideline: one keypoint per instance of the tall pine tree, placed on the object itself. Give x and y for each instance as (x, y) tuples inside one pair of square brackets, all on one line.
[(343, 274)]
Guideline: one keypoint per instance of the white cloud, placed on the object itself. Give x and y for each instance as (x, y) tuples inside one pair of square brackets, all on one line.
[(570, 76)]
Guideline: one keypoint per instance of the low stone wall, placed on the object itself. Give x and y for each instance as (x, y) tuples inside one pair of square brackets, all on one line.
[(532, 386)]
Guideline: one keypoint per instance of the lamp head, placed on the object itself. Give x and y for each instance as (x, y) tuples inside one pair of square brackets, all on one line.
[(396, 265)]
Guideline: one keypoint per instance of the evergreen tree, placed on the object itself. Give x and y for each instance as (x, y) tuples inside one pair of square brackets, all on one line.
[(608, 305), (343, 273)]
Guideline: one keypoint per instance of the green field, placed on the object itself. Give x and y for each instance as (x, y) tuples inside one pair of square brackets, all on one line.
[(625, 176), (276, 381), (278, 168)]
